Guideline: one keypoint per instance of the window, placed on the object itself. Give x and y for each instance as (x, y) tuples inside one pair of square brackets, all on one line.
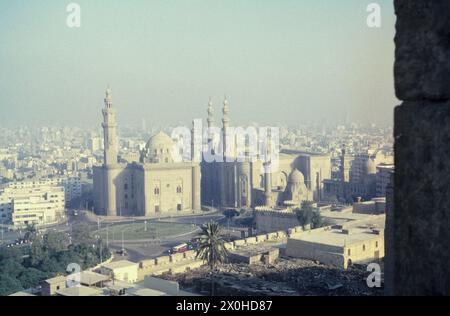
[(348, 252), (364, 247), (125, 186), (156, 191), (156, 208), (179, 189), (376, 244), (179, 207)]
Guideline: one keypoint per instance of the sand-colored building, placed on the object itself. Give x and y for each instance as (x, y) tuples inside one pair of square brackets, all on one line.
[(154, 186), (341, 245), (122, 270), (245, 182)]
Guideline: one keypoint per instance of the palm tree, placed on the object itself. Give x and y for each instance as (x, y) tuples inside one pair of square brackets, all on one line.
[(211, 247)]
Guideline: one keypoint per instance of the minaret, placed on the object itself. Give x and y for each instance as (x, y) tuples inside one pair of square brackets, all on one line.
[(210, 121), (110, 154), (225, 122), (109, 130), (268, 173)]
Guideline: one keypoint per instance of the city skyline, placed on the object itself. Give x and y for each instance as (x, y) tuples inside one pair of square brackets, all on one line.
[(318, 61)]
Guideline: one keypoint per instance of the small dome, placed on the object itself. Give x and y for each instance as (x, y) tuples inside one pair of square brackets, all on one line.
[(296, 177)]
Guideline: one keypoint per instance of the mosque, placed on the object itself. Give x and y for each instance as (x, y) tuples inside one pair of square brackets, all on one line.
[(158, 185), (247, 184), (151, 187)]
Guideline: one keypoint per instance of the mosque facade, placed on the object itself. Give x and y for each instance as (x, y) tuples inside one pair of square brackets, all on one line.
[(154, 186)]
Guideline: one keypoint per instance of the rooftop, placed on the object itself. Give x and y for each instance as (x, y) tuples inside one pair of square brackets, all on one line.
[(79, 291), (359, 231), (120, 264), (91, 278), (57, 279)]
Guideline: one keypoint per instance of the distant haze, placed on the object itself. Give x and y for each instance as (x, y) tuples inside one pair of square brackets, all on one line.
[(286, 61)]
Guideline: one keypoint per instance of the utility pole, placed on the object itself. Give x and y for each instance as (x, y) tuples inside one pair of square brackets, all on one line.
[(123, 248)]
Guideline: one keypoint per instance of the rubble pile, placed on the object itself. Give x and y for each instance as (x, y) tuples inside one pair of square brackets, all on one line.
[(291, 277)]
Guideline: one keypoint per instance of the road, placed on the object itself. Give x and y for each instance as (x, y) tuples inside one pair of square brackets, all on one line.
[(142, 249)]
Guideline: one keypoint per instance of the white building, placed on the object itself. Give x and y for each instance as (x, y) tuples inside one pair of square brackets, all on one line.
[(38, 203)]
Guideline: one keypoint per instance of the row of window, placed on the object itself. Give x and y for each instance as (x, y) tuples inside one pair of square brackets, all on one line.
[(157, 191)]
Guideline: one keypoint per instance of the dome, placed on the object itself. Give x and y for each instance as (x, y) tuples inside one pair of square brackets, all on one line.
[(160, 141), (296, 177), (158, 149)]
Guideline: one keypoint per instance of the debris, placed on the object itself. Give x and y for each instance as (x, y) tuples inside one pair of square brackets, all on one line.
[(286, 277)]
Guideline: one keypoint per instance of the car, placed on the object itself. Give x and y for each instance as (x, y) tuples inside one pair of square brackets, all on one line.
[(122, 252)]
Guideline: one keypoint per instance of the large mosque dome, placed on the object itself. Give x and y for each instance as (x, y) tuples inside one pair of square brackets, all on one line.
[(160, 141), (159, 149)]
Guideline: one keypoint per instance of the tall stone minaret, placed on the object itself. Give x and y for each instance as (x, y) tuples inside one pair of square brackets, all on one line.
[(109, 130), (225, 122), (268, 173), (110, 154)]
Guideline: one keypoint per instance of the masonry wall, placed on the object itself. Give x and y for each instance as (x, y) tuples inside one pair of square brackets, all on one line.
[(418, 229)]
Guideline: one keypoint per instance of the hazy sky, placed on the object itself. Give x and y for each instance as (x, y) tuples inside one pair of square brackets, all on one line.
[(286, 61)]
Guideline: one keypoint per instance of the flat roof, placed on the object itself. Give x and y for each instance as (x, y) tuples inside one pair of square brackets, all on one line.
[(119, 264), (142, 291), (22, 293), (57, 279), (335, 237), (79, 291), (91, 278)]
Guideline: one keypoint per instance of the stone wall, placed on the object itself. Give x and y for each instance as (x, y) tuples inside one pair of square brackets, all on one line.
[(418, 228), (180, 262)]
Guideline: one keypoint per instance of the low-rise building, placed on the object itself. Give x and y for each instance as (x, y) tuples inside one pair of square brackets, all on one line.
[(341, 245), (122, 270), (50, 286)]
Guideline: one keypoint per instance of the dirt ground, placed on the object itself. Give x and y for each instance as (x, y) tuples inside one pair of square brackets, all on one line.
[(287, 277)]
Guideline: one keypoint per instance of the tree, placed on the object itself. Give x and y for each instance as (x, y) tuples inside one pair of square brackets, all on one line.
[(81, 234), (307, 215), (212, 248), (9, 285), (30, 232), (56, 241)]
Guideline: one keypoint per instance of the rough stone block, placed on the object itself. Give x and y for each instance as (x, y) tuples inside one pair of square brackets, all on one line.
[(420, 222), (422, 65)]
